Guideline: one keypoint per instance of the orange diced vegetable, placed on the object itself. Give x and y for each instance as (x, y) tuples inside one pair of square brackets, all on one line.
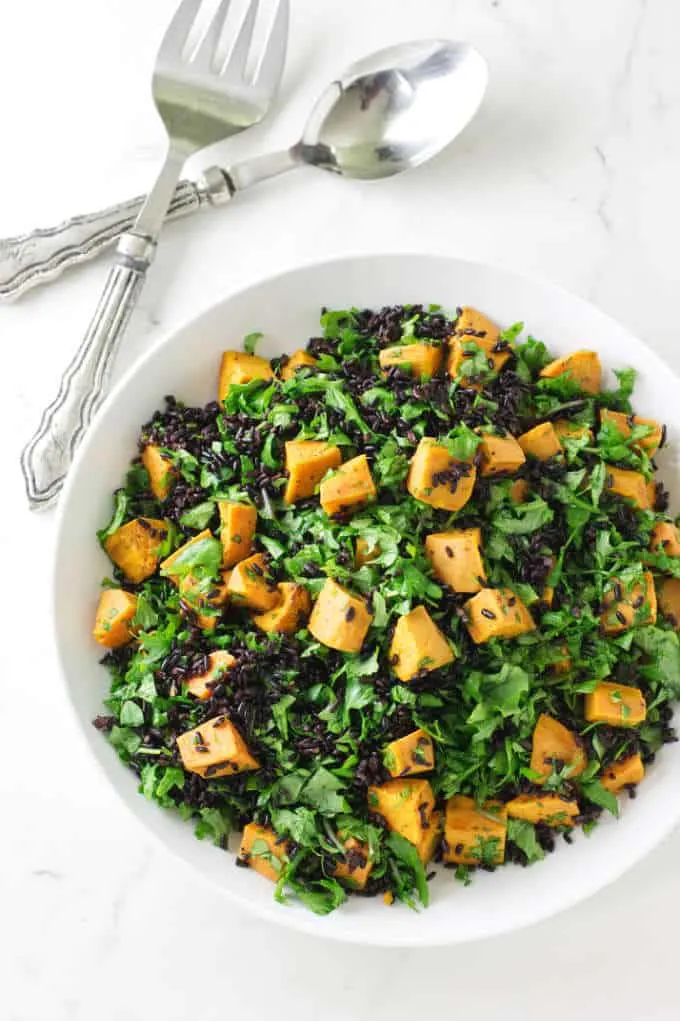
[(418, 645), (115, 613), (437, 478), (339, 618)]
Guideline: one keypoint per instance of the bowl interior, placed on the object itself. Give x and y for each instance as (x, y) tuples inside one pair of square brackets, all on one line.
[(286, 309)]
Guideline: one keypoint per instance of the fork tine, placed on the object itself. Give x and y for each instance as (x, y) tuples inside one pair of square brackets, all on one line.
[(206, 54), (178, 30), (270, 67), (236, 62)]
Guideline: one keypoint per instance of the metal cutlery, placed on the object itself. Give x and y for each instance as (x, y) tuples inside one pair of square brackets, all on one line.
[(364, 125), (201, 99)]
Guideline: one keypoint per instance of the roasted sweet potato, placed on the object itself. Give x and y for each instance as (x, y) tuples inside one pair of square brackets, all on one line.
[(456, 558), (407, 808), (496, 613), (409, 755), (474, 835), (135, 547), (115, 612), (292, 612), (215, 748), (665, 539), (201, 685), (238, 367), (472, 333), (339, 618), (251, 585), (356, 867), (626, 607), (418, 645), (350, 488), (649, 442), (500, 454), (365, 553), (583, 367), (298, 360), (160, 470), (417, 359), (631, 486), (307, 461), (239, 521), (553, 747), (550, 809), (624, 773), (264, 851), (669, 601), (619, 705), (437, 478), (541, 442), (568, 430)]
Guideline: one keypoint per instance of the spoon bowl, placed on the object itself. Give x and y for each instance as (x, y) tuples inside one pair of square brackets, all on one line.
[(395, 109)]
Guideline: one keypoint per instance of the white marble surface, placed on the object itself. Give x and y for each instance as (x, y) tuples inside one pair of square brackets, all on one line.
[(570, 172)]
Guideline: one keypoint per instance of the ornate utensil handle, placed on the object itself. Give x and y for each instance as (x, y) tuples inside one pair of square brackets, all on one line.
[(42, 255), (48, 455)]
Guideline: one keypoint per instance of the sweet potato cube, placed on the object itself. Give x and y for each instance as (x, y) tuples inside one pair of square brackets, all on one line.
[(474, 332), (239, 521), (583, 367), (167, 565), (619, 705), (665, 539), (418, 645), (625, 424), (356, 867), (431, 835), (307, 461), (456, 558), (438, 479), (365, 553), (349, 488), (404, 805), (409, 755), (238, 367), (634, 606), (496, 613), (568, 430), (500, 454), (418, 359), (115, 612), (474, 835), (201, 685), (550, 809), (160, 470), (264, 851), (631, 486), (519, 490), (205, 598), (215, 748), (251, 585), (290, 615), (541, 442), (298, 360), (135, 547), (669, 601), (622, 774), (553, 747), (339, 618)]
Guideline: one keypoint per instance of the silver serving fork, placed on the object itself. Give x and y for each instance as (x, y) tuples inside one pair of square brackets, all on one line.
[(201, 100)]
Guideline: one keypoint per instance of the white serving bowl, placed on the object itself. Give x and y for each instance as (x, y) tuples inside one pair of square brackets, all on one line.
[(286, 309)]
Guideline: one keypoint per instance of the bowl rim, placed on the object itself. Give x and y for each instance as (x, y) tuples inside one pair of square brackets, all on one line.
[(272, 911)]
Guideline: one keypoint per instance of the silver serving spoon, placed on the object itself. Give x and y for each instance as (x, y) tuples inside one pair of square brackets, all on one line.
[(387, 113)]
